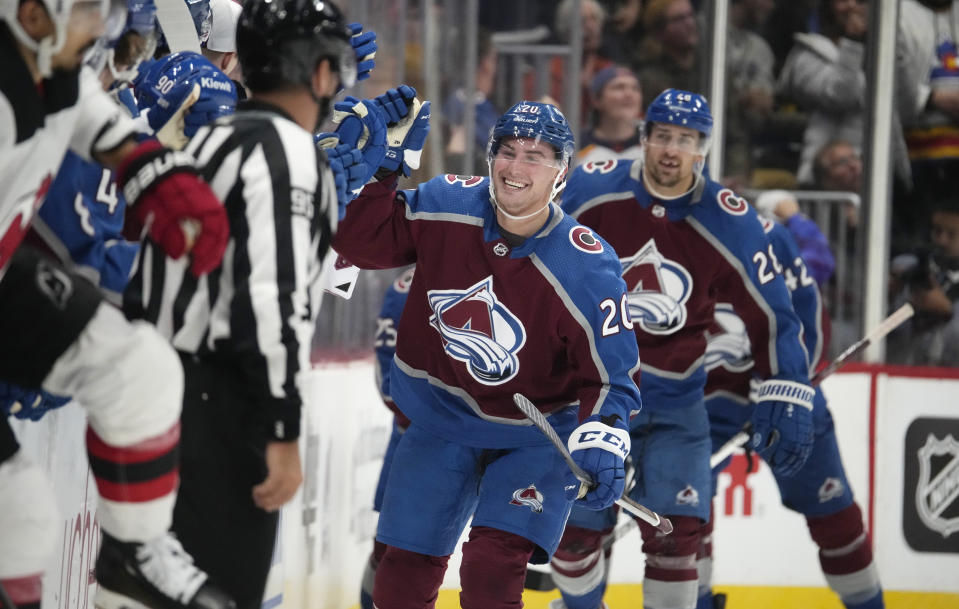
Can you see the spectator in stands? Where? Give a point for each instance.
(670, 54)
(783, 207)
(837, 166)
(929, 279)
(617, 106)
(824, 75)
(623, 30)
(928, 32)
(486, 113)
(750, 83)
(592, 16)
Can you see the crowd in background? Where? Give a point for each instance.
(794, 121)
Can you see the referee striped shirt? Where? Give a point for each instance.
(257, 310)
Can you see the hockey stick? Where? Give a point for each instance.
(897, 318)
(585, 480)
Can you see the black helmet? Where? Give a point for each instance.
(280, 42)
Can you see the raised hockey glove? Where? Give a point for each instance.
(166, 195)
(364, 45)
(362, 131)
(408, 123)
(30, 404)
(349, 173)
(782, 424)
(599, 446)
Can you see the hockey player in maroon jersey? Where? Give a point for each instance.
(684, 242)
(510, 295)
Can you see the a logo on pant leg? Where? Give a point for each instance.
(55, 284)
(528, 496)
(830, 489)
(687, 496)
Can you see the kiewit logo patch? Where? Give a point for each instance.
(658, 290)
(930, 515)
(479, 330)
(528, 496)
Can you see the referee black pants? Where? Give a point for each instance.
(222, 459)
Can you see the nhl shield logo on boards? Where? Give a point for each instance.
(930, 491)
(937, 492)
(530, 497)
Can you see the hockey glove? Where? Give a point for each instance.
(408, 122)
(364, 45)
(782, 424)
(168, 118)
(349, 173)
(165, 194)
(601, 450)
(28, 403)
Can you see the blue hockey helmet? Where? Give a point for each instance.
(134, 44)
(682, 108)
(164, 86)
(538, 121)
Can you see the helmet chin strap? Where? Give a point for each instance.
(558, 184)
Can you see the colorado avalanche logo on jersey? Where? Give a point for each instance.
(727, 343)
(731, 202)
(658, 290)
(600, 166)
(464, 181)
(478, 329)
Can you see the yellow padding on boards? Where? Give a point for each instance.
(626, 596)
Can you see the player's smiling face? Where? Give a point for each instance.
(523, 174)
(671, 153)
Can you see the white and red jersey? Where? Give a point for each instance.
(38, 123)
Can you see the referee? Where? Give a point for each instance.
(243, 331)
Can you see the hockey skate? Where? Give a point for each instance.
(158, 574)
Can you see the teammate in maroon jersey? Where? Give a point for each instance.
(510, 295)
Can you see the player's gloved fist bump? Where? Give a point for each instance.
(783, 424)
(165, 193)
(350, 173)
(361, 127)
(600, 450)
(405, 140)
(395, 103)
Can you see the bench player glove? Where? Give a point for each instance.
(349, 173)
(364, 45)
(357, 147)
(782, 424)
(600, 450)
(165, 193)
(408, 123)
(29, 404)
